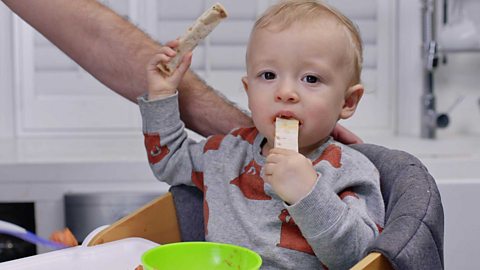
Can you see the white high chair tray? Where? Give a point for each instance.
(122, 254)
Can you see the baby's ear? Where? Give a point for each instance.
(245, 83)
(352, 98)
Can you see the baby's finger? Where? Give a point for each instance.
(169, 51)
(158, 58)
(269, 169)
(281, 151)
(273, 158)
(183, 67)
(173, 43)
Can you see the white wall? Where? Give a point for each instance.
(462, 224)
(6, 74)
(409, 72)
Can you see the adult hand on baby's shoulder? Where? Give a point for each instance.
(161, 84)
(290, 174)
(343, 135)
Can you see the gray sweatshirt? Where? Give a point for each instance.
(327, 229)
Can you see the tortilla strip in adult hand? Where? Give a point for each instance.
(286, 134)
(195, 33)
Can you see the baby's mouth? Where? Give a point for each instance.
(288, 116)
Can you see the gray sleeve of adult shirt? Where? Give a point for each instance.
(339, 230)
(161, 118)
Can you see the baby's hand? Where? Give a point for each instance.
(160, 84)
(290, 174)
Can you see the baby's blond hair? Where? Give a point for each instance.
(287, 12)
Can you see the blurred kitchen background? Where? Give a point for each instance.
(69, 146)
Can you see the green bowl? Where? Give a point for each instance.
(200, 256)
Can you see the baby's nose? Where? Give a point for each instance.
(286, 94)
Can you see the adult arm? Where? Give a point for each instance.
(116, 53)
(345, 136)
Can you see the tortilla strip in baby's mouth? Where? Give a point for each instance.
(286, 133)
(194, 35)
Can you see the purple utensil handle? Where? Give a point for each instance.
(32, 238)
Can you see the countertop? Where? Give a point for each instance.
(118, 159)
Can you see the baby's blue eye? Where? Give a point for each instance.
(269, 75)
(310, 79)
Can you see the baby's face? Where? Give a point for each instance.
(301, 72)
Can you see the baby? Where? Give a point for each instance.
(317, 208)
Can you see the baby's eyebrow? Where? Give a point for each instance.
(323, 70)
(260, 66)
(263, 61)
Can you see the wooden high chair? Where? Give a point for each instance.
(157, 222)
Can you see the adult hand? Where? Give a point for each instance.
(290, 174)
(343, 135)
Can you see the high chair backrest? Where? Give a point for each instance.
(414, 218)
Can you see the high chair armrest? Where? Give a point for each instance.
(373, 261)
(155, 221)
